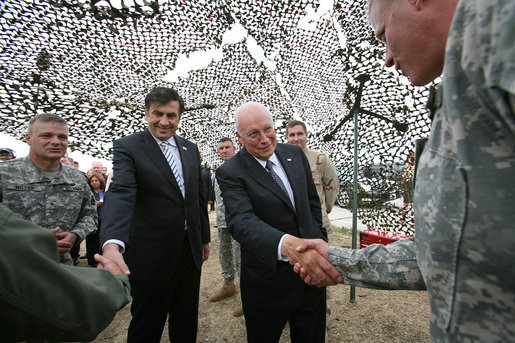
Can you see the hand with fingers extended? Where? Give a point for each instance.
(311, 262)
(112, 260)
(107, 264)
(315, 252)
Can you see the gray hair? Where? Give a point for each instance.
(46, 117)
(252, 103)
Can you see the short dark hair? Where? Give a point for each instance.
(100, 178)
(225, 139)
(46, 117)
(163, 95)
(293, 123)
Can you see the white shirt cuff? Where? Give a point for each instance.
(116, 241)
(279, 255)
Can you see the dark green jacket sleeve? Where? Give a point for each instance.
(41, 298)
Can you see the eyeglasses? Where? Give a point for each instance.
(254, 134)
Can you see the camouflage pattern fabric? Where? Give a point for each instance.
(326, 183)
(392, 266)
(230, 251)
(465, 189)
(65, 201)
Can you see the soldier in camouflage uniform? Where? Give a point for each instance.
(322, 169)
(463, 249)
(68, 304)
(42, 190)
(230, 258)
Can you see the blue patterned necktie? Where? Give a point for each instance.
(276, 177)
(167, 151)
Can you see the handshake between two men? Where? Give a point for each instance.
(308, 258)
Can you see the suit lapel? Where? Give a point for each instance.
(155, 154)
(291, 168)
(185, 160)
(258, 173)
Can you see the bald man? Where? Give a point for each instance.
(270, 200)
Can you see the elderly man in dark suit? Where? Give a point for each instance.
(270, 200)
(155, 212)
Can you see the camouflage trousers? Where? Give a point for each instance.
(230, 259)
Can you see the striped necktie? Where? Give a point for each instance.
(167, 151)
(276, 177)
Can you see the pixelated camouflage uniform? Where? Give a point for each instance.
(230, 259)
(326, 183)
(464, 192)
(65, 201)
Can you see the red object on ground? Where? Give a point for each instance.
(371, 236)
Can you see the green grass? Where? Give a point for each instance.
(342, 236)
(342, 230)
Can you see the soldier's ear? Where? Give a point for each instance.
(27, 138)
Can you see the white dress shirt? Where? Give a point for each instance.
(278, 169)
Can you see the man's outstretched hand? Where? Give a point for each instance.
(112, 260)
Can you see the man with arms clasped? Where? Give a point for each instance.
(155, 212)
(462, 250)
(270, 198)
(40, 189)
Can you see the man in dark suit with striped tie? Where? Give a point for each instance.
(270, 200)
(155, 219)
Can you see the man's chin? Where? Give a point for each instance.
(163, 136)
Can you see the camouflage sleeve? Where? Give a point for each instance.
(87, 221)
(392, 266)
(94, 296)
(220, 208)
(218, 193)
(330, 183)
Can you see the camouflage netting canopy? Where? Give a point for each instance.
(92, 62)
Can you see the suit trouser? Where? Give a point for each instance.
(178, 298)
(307, 320)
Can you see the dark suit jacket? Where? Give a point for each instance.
(145, 209)
(259, 213)
(210, 191)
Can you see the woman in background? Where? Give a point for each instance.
(97, 184)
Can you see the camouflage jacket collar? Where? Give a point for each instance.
(34, 175)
